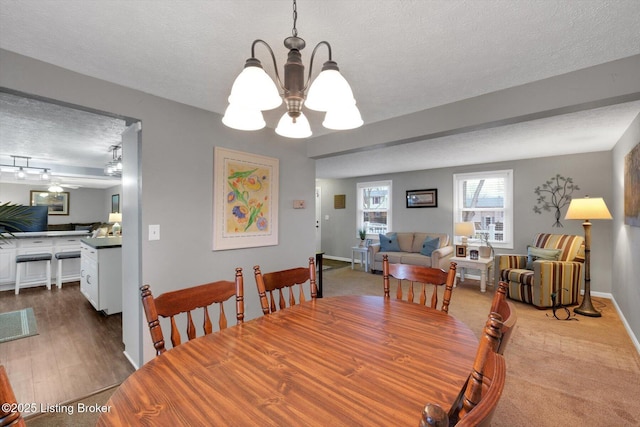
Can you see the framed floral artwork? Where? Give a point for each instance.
(245, 200)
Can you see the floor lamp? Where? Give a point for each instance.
(586, 209)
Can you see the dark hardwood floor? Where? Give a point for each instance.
(77, 350)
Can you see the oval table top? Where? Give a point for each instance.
(339, 361)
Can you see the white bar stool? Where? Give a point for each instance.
(23, 259)
(60, 256)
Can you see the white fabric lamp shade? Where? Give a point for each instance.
(115, 217)
(466, 228)
(243, 118)
(587, 209)
(329, 90)
(289, 129)
(343, 118)
(254, 88)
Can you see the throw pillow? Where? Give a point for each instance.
(389, 243)
(429, 245)
(534, 253)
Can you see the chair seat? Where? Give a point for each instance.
(517, 275)
(68, 255)
(33, 257)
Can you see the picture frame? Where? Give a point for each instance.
(422, 198)
(115, 203)
(57, 203)
(473, 254)
(461, 251)
(245, 200)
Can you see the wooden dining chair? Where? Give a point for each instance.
(277, 281)
(9, 414)
(479, 397)
(507, 311)
(170, 304)
(422, 275)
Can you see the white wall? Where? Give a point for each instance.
(626, 249)
(339, 232)
(85, 204)
(177, 180)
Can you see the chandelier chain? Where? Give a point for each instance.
(294, 31)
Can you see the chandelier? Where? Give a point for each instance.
(254, 91)
(114, 167)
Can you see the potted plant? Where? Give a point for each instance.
(362, 232)
(485, 250)
(12, 216)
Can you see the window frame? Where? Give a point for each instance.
(360, 212)
(508, 225)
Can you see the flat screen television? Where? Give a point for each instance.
(39, 221)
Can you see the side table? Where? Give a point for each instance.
(482, 264)
(364, 256)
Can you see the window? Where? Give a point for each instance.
(374, 207)
(486, 199)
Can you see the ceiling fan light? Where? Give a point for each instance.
(253, 88)
(243, 118)
(343, 118)
(330, 89)
(289, 129)
(55, 188)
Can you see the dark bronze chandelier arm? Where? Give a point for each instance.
(273, 58)
(313, 54)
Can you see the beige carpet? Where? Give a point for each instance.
(559, 373)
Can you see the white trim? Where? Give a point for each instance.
(634, 339)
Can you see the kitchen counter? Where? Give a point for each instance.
(103, 242)
(29, 234)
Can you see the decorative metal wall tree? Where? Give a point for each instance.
(558, 189)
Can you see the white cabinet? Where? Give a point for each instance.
(7, 261)
(39, 242)
(101, 277)
(70, 266)
(34, 271)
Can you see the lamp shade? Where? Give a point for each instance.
(243, 118)
(466, 228)
(342, 118)
(329, 90)
(587, 209)
(115, 217)
(254, 88)
(299, 129)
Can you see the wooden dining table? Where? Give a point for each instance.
(339, 361)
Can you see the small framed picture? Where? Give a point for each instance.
(473, 254)
(368, 242)
(461, 251)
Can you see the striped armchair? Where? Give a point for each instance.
(532, 278)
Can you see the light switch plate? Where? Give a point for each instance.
(154, 232)
(298, 204)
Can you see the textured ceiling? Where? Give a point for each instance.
(399, 56)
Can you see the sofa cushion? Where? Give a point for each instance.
(394, 257)
(419, 238)
(517, 275)
(534, 253)
(429, 245)
(405, 240)
(412, 258)
(389, 242)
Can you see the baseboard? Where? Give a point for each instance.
(606, 295)
(338, 258)
(135, 365)
(634, 339)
